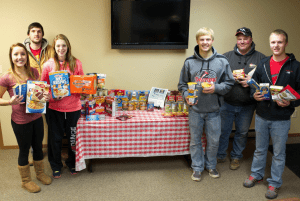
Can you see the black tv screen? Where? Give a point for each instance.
(150, 24)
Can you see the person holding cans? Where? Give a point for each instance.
(206, 65)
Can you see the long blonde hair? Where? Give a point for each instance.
(28, 71)
(70, 59)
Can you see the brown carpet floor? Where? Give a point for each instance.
(143, 179)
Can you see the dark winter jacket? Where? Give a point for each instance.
(238, 95)
(289, 74)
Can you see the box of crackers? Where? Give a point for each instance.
(60, 84)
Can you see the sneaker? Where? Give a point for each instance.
(250, 182)
(213, 173)
(56, 174)
(234, 164)
(196, 176)
(272, 192)
(221, 160)
(72, 171)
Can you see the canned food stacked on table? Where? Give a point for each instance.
(174, 105)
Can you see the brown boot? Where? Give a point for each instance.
(40, 175)
(29, 185)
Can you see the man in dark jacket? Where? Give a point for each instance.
(238, 106)
(273, 116)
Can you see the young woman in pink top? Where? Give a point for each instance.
(63, 113)
(28, 128)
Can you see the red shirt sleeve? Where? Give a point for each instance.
(45, 73)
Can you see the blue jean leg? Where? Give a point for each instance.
(242, 123)
(227, 117)
(213, 132)
(196, 123)
(262, 143)
(279, 134)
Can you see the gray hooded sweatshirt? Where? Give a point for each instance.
(214, 69)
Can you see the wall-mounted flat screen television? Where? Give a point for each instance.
(150, 24)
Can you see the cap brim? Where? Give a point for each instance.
(240, 32)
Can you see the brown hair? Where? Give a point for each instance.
(27, 64)
(70, 59)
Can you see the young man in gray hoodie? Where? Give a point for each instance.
(206, 65)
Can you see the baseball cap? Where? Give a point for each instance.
(245, 31)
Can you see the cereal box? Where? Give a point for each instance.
(38, 92)
(33, 106)
(288, 93)
(239, 73)
(96, 117)
(119, 92)
(111, 106)
(275, 91)
(100, 105)
(265, 90)
(20, 89)
(60, 84)
(83, 84)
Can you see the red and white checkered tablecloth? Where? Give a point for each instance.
(145, 134)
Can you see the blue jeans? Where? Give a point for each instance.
(242, 116)
(278, 130)
(212, 123)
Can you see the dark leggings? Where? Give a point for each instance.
(29, 135)
(60, 123)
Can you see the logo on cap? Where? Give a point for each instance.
(245, 31)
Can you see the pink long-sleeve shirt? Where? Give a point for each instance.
(67, 104)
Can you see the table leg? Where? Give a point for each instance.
(90, 165)
(188, 159)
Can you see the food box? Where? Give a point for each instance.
(83, 84)
(265, 90)
(288, 93)
(20, 89)
(239, 73)
(33, 106)
(252, 83)
(38, 92)
(111, 106)
(96, 117)
(101, 81)
(275, 91)
(60, 84)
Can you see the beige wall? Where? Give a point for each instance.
(87, 25)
